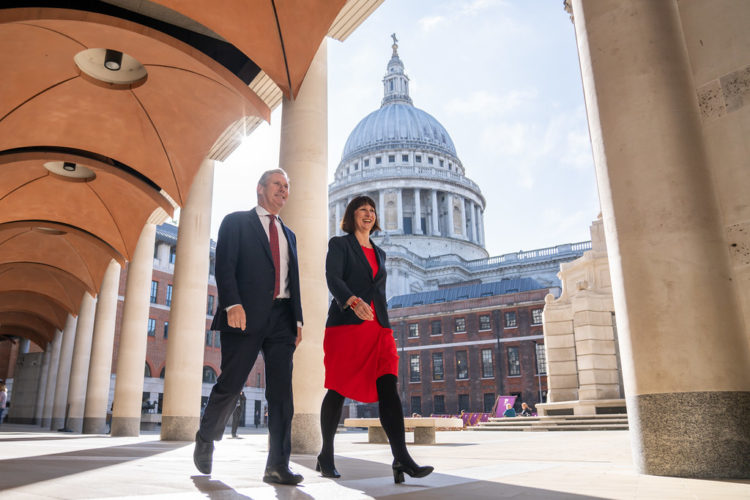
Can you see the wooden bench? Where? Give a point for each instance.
(423, 427)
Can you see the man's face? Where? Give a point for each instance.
(273, 195)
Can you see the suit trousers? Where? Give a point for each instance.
(238, 355)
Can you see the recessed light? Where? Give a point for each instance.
(69, 166)
(112, 59)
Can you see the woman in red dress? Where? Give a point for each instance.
(360, 354)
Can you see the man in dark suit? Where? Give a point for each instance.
(257, 277)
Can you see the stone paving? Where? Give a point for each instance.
(468, 465)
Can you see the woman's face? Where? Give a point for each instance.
(364, 218)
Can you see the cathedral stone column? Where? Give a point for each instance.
(80, 367)
(435, 214)
(462, 208)
(183, 376)
(381, 208)
(131, 357)
(475, 222)
(417, 212)
(480, 223)
(63, 373)
(451, 220)
(51, 382)
(400, 210)
(100, 366)
(684, 353)
(303, 154)
(40, 395)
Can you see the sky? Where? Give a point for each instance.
(502, 76)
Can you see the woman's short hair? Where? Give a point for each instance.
(347, 223)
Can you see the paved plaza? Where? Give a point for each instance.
(468, 465)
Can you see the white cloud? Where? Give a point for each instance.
(430, 22)
(484, 102)
(477, 6)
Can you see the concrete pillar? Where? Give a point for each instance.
(42, 390)
(303, 154)
(417, 212)
(59, 406)
(435, 214)
(131, 357)
(399, 211)
(80, 367)
(462, 209)
(683, 348)
(51, 381)
(100, 366)
(187, 318)
(162, 253)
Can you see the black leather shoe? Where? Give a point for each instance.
(412, 469)
(203, 455)
(281, 474)
(326, 467)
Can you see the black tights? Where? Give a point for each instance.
(391, 418)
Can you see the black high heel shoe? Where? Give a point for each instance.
(325, 469)
(413, 470)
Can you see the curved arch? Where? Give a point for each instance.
(26, 333)
(28, 321)
(44, 280)
(33, 303)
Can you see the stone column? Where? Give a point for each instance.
(475, 223)
(100, 367)
(462, 207)
(560, 351)
(381, 209)
(480, 223)
(59, 405)
(80, 367)
(435, 214)
(40, 395)
(417, 212)
(337, 225)
(683, 348)
(131, 357)
(303, 154)
(450, 222)
(51, 382)
(400, 211)
(183, 376)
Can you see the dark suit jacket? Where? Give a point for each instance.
(348, 273)
(245, 273)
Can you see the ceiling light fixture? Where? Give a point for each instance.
(69, 166)
(112, 59)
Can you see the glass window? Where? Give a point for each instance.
(172, 254)
(462, 365)
(430, 160)
(151, 327)
(209, 375)
(488, 401)
(541, 360)
(404, 158)
(536, 316)
(166, 329)
(463, 402)
(436, 328)
(147, 370)
(168, 301)
(439, 404)
(154, 291)
(460, 325)
(367, 162)
(418, 158)
(210, 305)
(208, 338)
(441, 163)
(484, 322)
(414, 368)
(514, 362)
(416, 405)
(378, 160)
(488, 370)
(413, 330)
(391, 158)
(510, 319)
(217, 339)
(437, 366)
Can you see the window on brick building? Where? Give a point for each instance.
(484, 322)
(413, 330)
(438, 403)
(208, 338)
(166, 329)
(151, 327)
(488, 370)
(536, 316)
(209, 375)
(514, 362)
(510, 319)
(437, 366)
(210, 305)
(168, 300)
(416, 404)
(460, 325)
(414, 368)
(463, 402)
(462, 365)
(172, 254)
(217, 339)
(488, 401)
(146, 370)
(436, 328)
(154, 291)
(541, 360)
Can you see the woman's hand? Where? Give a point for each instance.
(361, 308)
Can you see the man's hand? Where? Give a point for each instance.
(236, 317)
(299, 336)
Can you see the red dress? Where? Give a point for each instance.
(356, 355)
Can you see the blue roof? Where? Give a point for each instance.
(465, 292)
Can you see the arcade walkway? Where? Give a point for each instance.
(470, 465)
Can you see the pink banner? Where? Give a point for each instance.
(501, 402)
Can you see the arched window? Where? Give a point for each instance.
(209, 375)
(147, 371)
(161, 374)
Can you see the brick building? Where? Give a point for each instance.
(462, 346)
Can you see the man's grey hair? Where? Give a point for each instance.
(268, 173)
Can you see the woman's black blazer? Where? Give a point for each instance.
(348, 273)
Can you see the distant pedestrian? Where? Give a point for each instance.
(526, 410)
(3, 399)
(509, 411)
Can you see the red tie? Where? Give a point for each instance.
(273, 236)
